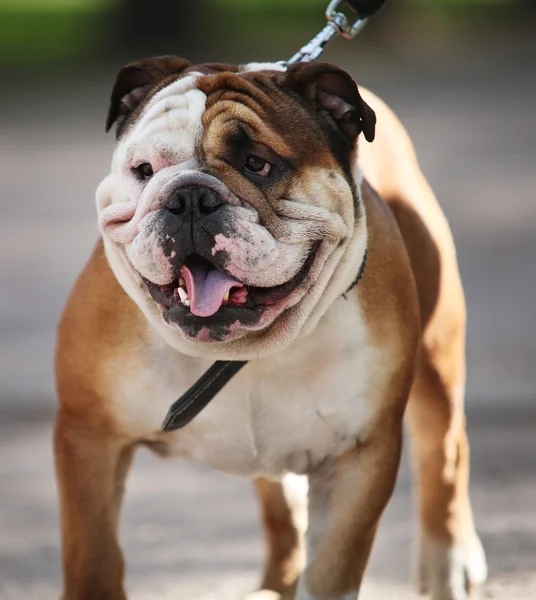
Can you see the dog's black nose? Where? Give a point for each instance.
(195, 198)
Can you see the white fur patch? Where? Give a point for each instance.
(445, 569)
(295, 489)
(165, 136)
(170, 124)
(263, 66)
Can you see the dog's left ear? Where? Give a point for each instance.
(134, 82)
(328, 88)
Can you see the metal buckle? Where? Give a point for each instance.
(337, 25)
(341, 21)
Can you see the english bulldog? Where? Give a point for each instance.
(241, 205)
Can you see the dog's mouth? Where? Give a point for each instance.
(206, 292)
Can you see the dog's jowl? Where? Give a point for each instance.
(241, 204)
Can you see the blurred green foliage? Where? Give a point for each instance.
(50, 5)
(306, 4)
(46, 32)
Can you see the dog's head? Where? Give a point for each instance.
(232, 212)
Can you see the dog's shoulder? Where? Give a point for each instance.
(391, 166)
(99, 321)
(387, 293)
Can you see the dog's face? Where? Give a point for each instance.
(232, 209)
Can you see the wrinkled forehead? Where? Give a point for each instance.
(176, 108)
(170, 124)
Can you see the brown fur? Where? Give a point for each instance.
(277, 122)
(411, 275)
(286, 552)
(435, 412)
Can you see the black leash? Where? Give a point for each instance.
(194, 400)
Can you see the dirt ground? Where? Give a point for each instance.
(190, 533)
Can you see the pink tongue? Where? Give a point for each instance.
(206, 287)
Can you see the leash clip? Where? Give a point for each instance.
(341, 21)
(337, 24)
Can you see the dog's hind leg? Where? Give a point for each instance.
(451, 556)
(451, 561)
(91, 469)
(283, 508)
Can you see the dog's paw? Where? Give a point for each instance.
(451, 572)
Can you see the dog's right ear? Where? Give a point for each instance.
(134, 82)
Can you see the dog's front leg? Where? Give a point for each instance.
(91, 468)
(346, 499)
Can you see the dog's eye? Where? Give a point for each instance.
(143, 172)
(257, 165)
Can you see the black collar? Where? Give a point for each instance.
(194, 400)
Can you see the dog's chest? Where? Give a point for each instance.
(285, 413)
(281, 418)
